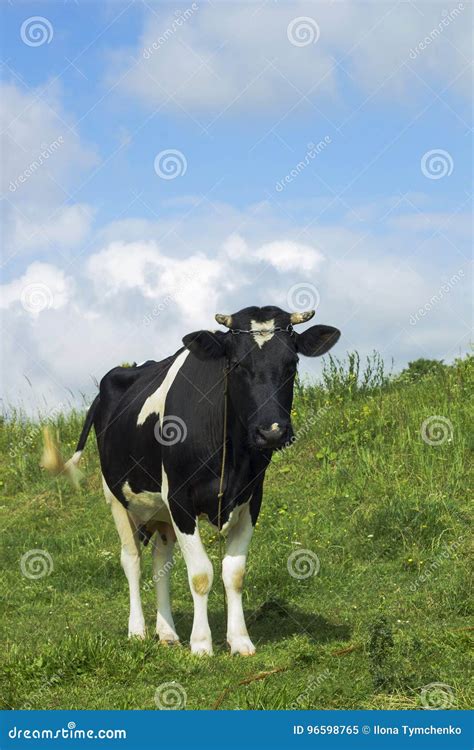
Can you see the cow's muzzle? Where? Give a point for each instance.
(275, 436)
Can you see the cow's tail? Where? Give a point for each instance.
(52, 459)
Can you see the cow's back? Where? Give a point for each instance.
(122, 447)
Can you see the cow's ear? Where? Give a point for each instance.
(206, 344)
(317, 340)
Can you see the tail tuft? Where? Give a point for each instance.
(54, 463)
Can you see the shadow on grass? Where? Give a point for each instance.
(275, 620)
(272, 621)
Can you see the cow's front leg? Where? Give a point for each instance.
(200, 575)
(233, 571)
(163, 544)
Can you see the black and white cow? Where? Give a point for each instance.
(160, 428)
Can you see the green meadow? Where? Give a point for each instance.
(357, 589)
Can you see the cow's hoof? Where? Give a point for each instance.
(241, 645)
(201, 648)
(169, 640)
(136, 629)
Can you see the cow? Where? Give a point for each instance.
(191, 437)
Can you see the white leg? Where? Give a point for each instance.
(200, 575)
(130, 559)
(233, 571)
(162, 549)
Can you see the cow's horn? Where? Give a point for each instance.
(224, 320)
(301, 317)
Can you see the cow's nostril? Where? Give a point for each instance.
(272, 435)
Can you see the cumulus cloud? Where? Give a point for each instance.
(265, 58)
(134, 299)
(42, 287)
(42, 155)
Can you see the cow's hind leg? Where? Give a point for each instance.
(233, 571)
(163, 544)
(130, 559)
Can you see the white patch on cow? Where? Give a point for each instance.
(263, 332)
(234, 517)
(275, 426)
(146, 506)
(130, 559)
(155, 404)
(233, 571)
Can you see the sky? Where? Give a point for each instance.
(162, 162)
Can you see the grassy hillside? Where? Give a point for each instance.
(362, 494)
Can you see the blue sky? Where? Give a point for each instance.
(367, 230)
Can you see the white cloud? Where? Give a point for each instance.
(67, 227)
(134, 299)
(290, 256)
(42, 287)
(42, 156)
(239, 58)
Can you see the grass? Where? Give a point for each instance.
(386, 514)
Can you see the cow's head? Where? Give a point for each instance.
(261, 350)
